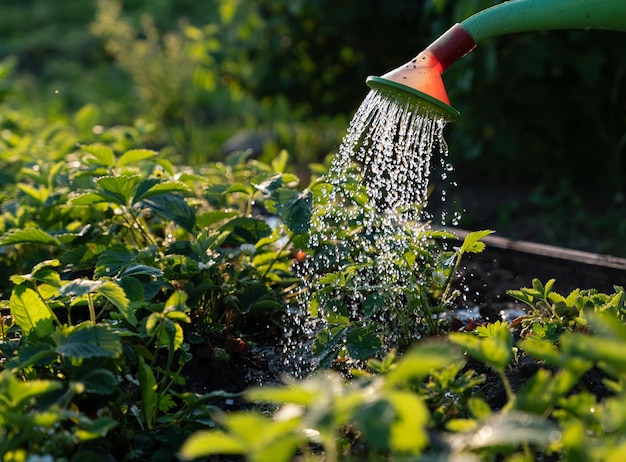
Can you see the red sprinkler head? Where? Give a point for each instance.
(419, 81)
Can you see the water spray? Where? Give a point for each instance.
(419, 81)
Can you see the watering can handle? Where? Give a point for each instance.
(526, 16)
(534, 15)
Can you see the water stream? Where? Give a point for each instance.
(368, 230)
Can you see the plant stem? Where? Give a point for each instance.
(92, 309)
(507, 388)
(284, 246)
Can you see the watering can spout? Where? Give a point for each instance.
(419, 81)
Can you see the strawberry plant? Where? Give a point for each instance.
(122, 269)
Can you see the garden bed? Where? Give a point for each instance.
(509, 264)
(505, 264)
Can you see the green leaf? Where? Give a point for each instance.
(148, 390)
(100, 382)
(107, 288)
(408, 432)
(30, 312)
(112, 259)
(375, 419)
(472, 243)
(88, 341)
(100, 155)
(120, 188)
(420, 360)
(207, 219)
(95, 429)
(270, 185)
(246, 230)
(176, 302)
(134, 156)
(494, 349)
(362, 342)
(173, 207)
(92, 197)
(86, 118)
(136, 269)
(509, 429)
(154, 186)
(18, 393)
(295, 209)
(279, 163)
(210, 442)
(116, 295)
(29, 235)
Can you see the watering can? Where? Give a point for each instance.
(419, 82)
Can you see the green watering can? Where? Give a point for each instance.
(419, 82)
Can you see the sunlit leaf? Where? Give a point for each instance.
(154, 186)
(97, 428)
(208, 442)
(99, 155)
(420, 360)
(134, 156)
(148, 390)
(29, 235)
(18, 393)
(472, 243)
(495, 351)
(509, 429)
(122, 187)
(30, 312)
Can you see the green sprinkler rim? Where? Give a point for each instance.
(405, 94)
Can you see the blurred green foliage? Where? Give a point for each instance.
(543, 109)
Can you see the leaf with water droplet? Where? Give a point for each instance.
(362, 342)
(472, 243)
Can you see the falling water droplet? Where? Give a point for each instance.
(374, 212)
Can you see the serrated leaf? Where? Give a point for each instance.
(97, 428)
(87, 341)
(472, 243)
(30, 312)
(136, 269)
(154, 186)
(18, 393)
(495, 351)
(362, 343)
(207, 219)
(173, 207)
(90, 198)
(122, 187)
(111, 260)
(270, 185)
(107, 288)
(116, 295)
(420, 360)
(29, 235)
(246, 230)
(238, 188)
(100, 382)
(100, 155)
(134, 156)
(295, 209)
